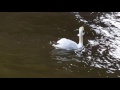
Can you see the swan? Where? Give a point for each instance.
(68, 44)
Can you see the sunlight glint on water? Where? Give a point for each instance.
(109, 41)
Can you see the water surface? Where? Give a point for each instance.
(26, 50)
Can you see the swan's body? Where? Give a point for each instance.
(68, 44)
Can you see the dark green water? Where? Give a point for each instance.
(26, 50)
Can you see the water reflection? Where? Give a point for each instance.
(102, 44)
(108, 44)
(26, 50)
(64, 55)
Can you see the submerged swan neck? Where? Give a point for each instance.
(80, 35)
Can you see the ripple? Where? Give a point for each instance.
(107, 45)
(101, 46)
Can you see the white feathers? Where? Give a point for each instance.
(68, 44)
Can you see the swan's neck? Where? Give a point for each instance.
(80, 37)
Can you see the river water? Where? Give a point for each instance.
(26, 44)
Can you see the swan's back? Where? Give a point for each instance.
(66, 44)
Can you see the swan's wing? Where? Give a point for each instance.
(66, 44)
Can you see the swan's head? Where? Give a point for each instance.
(81, 29)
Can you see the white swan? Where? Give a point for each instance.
(68, 44)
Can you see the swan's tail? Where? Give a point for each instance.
(56, 46)
(53, 45)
